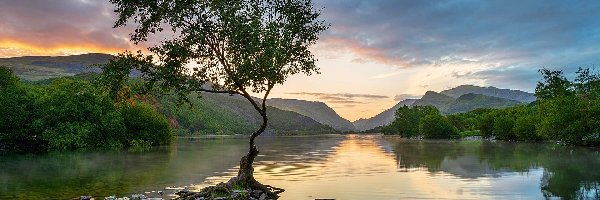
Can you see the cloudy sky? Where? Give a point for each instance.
(375, 52)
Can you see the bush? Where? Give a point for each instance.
(144, 123)
(437, 127)
(525, 128)
(407, 120)
(503, 128)
(486, 124)
(16, 112)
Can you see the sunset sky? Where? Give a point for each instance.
(375, 52)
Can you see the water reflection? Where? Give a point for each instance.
(340, 167)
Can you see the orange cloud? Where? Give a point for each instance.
(12, 48)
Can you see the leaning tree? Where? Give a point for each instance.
(235, 47)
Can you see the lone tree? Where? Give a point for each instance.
(233, 47)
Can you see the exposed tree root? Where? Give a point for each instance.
(234, 190)
(243, 186)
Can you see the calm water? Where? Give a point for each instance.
(340, 167)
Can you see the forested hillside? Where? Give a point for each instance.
(318, 111)
(224, 114)
(515, 95)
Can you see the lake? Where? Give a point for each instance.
(312, 167)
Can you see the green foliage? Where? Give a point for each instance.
(565, 111)
(7, 78)
(206, 115)
(226, 115)
(569, 111)
(554, 84)
(526, 121)
(16, 106)
(407, 120)
(486, 124)
(144, 123)
(525, 128)
(74, 114)
(464, 121)
(238, 46)
(139, 145)
(503, 127)
(436, 126)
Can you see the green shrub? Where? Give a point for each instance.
(503, 128)
(144, 123)
(437, 127)
(525, 128)
(486, 124)
(407, 120)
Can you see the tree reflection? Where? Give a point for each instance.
(569, 172)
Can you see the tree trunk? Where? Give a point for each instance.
(246, 172)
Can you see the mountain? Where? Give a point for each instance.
(515, 95)
(463, 98)
(471, 101)
(225, 114)
(318, 111)
(464, 103)
(381, 119)
(432, 98)
(43, 67)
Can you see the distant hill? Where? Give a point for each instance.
(318, 111)
(463, 98)
(381, 119)
(43, 67)
(515, 95)
(438, 100)
(464, 103)
(471, 101)
(224, 114)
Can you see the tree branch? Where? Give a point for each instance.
(218, 91)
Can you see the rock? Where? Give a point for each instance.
(138, 197)
(256, 193)
(86, 198)
(263, 196)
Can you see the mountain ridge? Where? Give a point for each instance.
(381, 119)
(516, 95)
(34, 68)
(316, 110)
(462, 98)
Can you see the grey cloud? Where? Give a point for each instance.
(492, 34)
